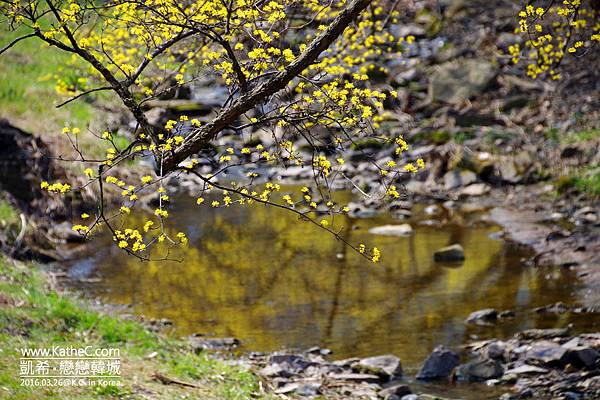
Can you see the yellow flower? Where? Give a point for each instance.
(376, 255)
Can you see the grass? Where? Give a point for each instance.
(27, 92)
(586, 181)
(33, 315)
(8, 214)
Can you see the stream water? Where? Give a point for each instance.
(263, 276)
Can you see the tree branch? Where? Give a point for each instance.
(247, 101)
(98, 89)
(17, 40)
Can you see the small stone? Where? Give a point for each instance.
(392, 230)
(355, 377)
(450, 253)
(200, 344)
(476, 189)
(398, 389)
(386, 366)
(439, 364)
(525, 369)
(485, 316)
(433, 209)
(480, 370)
(308, 389)
(534, 334)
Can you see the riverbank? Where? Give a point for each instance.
(34, 314)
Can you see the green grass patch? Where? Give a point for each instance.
(8, 214)
(586, 181)
(33, 315)
(27, 93)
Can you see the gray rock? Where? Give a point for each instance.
(581, 357)
(397, 389)
(547, 353)
(525, 369)
(410, 397)
(454, 252)
(386, 366)
(455, 82)
(457, 178)
(350, 377)
(495, 350)
(433, 209)
(475, 189)
(439, 364)
(64, 232)
(392, 230)
(484, 316)
(480, 370)
(542, 333)
(199, 343)
(286, 365)
(308, 389)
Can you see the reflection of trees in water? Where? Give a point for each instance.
(265, 275)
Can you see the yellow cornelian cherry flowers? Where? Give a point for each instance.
(145, 50)
(552, 30)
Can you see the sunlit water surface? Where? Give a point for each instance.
(261, 275)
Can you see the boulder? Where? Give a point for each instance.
(392, 230)
(439, 364)
(455, 82)
(385, 366)
(454, 252)
(480, 370)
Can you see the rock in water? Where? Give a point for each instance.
(480, 370)
(484, 316)
(439, 364)
(392, 230)
(397, 389)
(450, 253)
(386, 366)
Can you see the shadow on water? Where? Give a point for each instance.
(261, 275)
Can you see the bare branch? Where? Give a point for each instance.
(98, 89)
(17, 40)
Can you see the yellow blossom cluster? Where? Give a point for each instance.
(551, 31)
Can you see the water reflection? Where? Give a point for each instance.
(261, 275)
